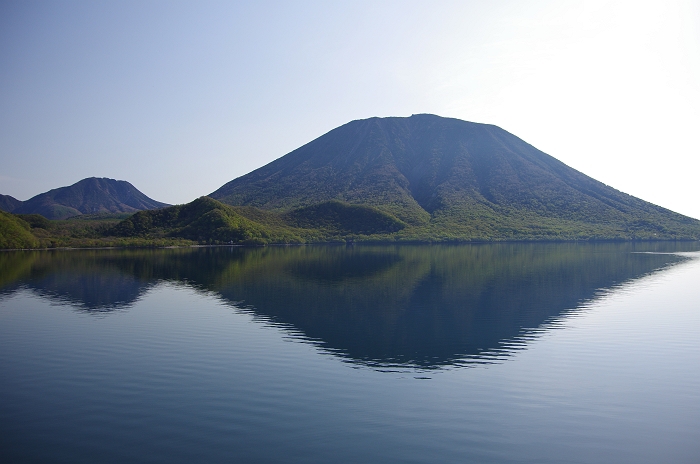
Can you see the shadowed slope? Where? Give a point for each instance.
(9, 204)
(344, 218)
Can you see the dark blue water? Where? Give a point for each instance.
(542, 353)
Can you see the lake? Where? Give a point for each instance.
(489, 353)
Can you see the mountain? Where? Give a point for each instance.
(451, 179)
(89, 196)
(8, 203)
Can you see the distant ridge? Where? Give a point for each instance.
(449, 178)
(93, 195)
(8, 203)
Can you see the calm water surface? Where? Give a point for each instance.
(522, 353)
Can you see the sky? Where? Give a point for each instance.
(179, 98)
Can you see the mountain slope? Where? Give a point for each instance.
(89, 196)
(344, 219)
(204, 220)
(452, 178)
(8, 203)
(15, 233)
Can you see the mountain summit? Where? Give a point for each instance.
(454, 178)
(93, 195)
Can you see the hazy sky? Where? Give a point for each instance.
(179, 98)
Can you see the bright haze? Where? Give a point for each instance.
(179, 98)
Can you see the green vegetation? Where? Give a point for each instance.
(15, 232)
(79, 232)
(206, 221)
(202, 221)
(337, 218)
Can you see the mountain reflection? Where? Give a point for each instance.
(384, 306)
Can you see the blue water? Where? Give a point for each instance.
(485, 353)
